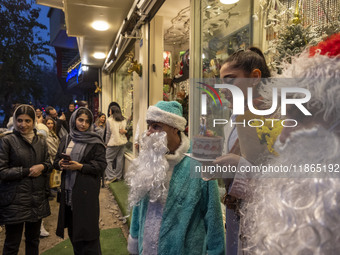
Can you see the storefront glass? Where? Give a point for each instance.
(224, 29)
(124, 92)
(176, 53)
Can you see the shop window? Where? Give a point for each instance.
(224, 29)
(176, 52)
(124, 95)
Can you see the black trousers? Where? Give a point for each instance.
(14, 234)
(81, 247)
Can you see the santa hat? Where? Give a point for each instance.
(167, 112)
(330, 47)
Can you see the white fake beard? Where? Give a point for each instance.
(296, 215)
(147, 174)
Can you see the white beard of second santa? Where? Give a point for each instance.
(297, 214)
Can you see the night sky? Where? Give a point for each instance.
(43, 19)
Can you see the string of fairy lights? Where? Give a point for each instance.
(315, 12)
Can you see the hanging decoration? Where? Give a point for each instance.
(296, 19)
(134, 65)
(274, 13)
(178, 32)
(98, 89)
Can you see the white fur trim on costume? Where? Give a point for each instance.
(156, 114)
(132, 245)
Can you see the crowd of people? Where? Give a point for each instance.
(173, 212)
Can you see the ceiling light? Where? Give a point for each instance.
(100, 25)
(99, 55)
(228, 1)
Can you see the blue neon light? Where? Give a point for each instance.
(77, 71)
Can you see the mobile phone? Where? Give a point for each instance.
(66, 157)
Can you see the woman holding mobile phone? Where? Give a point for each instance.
(81, 157)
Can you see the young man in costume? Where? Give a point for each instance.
(173, 213)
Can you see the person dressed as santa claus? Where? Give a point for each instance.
(173, 213)
(299, 212)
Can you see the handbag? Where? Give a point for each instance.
(7, 193)
(55, 178)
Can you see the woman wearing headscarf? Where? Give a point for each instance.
(24, 167)
(81, 157)
(100, 125)
(52, 138)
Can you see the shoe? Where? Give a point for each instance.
(43, 231)
(111, 181)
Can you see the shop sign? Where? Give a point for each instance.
(75, 72)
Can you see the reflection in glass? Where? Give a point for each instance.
(124, 82)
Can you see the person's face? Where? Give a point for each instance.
(154, 127)
(83, 122)
(102, 118)
(25, 124)
(38, 112)
(238, 78)
(53, 113)
(71, 107)
(50, 124)
(159, 127)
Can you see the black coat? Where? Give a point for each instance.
(30, 194)
(85, 193)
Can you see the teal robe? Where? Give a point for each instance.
(192, 219)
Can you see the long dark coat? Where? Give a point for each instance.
(85, 193)
(27, 196)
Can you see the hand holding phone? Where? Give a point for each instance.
(66, 158)
(67, 164)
